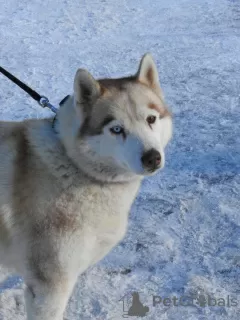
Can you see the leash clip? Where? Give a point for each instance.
(44, 103)
(42, 100)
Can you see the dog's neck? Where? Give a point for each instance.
(66, 126)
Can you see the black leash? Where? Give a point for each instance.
(42, 100)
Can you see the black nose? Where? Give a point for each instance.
(151, 159)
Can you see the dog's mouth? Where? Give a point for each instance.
(151, 172)
(155, 169)
(142, 170)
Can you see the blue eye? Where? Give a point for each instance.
(117, 130)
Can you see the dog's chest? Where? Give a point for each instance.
(101, 218)
(104, 209)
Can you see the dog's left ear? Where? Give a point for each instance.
(148, 74)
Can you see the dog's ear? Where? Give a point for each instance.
(148, 74)
(86, 88)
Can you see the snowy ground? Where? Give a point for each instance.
(183, 236)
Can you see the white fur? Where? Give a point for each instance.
(65, 196)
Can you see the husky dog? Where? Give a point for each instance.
(66, 192)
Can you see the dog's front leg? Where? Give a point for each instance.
(47, 301)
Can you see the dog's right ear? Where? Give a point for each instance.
(86, 88)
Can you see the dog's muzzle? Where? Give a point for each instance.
(151, 160)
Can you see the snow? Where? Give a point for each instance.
(183, 235)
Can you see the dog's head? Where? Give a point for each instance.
(120, 126)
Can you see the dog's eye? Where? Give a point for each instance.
(151, 119)
(117, 130)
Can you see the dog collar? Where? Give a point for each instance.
(63, 100)
(61, 103)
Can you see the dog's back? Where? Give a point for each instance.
(25, 186)
(10, 137)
